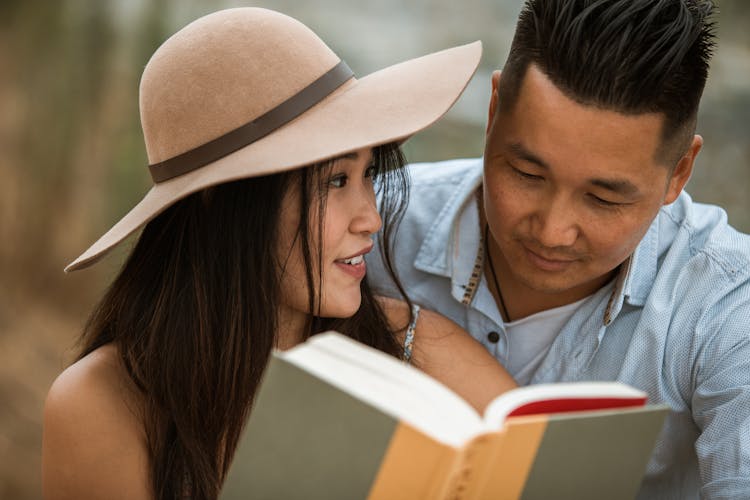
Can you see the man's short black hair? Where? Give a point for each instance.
(629, 56)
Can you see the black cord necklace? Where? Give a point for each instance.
(503, 309)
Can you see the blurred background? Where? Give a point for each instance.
(72, 160)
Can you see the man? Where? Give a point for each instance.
(570, 251)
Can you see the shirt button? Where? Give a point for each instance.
(493, 337)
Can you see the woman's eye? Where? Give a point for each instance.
(338, 181)
(372, 171)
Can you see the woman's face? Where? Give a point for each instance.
(350, 218)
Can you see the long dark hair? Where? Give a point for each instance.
(193, 313)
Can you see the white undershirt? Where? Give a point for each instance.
(530, 338)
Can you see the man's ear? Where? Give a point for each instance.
(682, 170)
(493, 99)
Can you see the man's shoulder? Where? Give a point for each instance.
(704, 233)
(437, 195)
(440, 188)
(444, 173)
(701, 266)
(438, 191)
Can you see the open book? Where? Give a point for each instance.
(336, 419)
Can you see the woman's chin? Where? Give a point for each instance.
(341, 308)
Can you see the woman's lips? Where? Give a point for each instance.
(354, 265)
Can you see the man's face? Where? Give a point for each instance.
(569, 189)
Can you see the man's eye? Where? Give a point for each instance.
(526, 175)
(338, 181)
(604, 203)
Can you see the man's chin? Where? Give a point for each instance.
(549, 283)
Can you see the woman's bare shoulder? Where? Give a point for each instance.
(96, 385)
(92, 379)
(93, 440)
(430, 325)
(448, 353)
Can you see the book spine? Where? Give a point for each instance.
(414, 466)
(507, 468)
(471, 468)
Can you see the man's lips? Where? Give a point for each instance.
(548, 262)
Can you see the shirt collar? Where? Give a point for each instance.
(640, 278)
(636, 275)
(440, 247)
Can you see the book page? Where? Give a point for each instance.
(561, 398)
(389, 385)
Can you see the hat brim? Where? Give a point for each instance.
(386, 106)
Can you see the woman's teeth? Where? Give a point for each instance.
(354, 260)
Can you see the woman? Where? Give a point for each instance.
(264, 152)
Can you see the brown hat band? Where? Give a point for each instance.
(254, 130)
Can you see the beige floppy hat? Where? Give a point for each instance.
(248, 91)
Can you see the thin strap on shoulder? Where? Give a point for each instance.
(409, 338)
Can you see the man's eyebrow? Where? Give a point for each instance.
(618, 186)
(622, 187)
(524, 154)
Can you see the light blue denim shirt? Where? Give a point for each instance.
(676, 323)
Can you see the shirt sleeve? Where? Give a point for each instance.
(721, 399)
